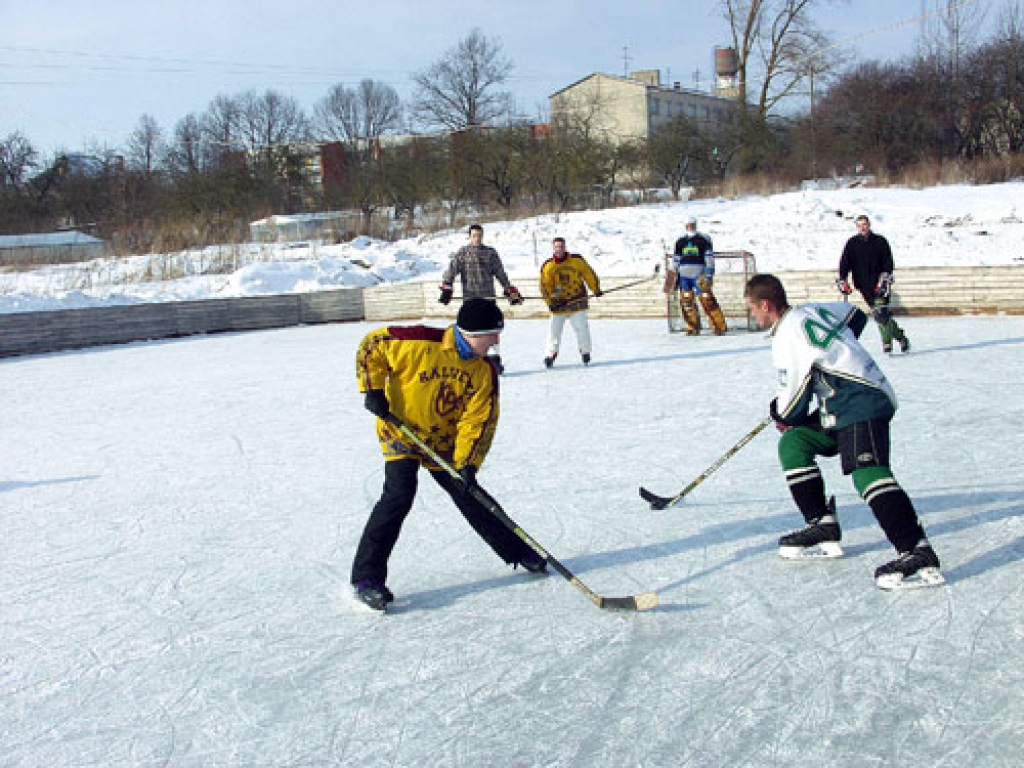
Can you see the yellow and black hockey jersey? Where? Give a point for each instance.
(449, 402)
(563, 284)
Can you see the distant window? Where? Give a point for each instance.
(707, 113)
(655, 106)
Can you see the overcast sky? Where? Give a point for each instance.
(75, 74)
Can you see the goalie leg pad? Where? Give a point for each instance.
(714, 312)
(686, 300)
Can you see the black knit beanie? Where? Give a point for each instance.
(479, 317)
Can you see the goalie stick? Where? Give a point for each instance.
(641, 602)
(660, 502)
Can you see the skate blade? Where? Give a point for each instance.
(926, 577)
(827, 550)
(352, 598)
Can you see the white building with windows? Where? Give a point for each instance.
(629, 108)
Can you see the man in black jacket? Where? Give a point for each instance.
(868, 256)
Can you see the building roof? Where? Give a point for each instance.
(49, 240)
(638, 83)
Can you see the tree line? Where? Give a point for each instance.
(956, 101)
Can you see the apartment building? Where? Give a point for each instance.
(628, 108)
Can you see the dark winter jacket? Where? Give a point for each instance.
(693, 249)
(867, 258)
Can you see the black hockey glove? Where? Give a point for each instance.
(514, 296)
(376, 402)
(468, 475)
(446, 294)
(773, 411)
(843, 287)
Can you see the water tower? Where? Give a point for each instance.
(726, 67)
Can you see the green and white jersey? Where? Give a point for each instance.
(818, 356)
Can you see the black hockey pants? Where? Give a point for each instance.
(385, 523)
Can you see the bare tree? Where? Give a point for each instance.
(17, 156)
(951, 32)
(1011, 20)
(773, 40)
(185, 151)
(776, 43)
(358, 117)
(269, 120)
(220, 128)
(145, 145)
(459, 91)
(678, 152)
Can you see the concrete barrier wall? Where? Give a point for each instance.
(919, 291)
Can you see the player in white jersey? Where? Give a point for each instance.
(821, 363)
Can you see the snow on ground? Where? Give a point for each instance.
(179, 519)
(940, 226)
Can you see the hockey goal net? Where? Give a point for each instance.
(732, 270)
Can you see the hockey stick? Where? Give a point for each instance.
(657, 269)
(641, 602)
(660, 502)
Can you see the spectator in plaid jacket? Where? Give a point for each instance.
(479, 266)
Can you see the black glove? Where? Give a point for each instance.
(843, 287)
(446, 294)
(598, 293)
(376, 402)
(773, 411)
(514, 296)
(468, 475)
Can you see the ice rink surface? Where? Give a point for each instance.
(179, 518)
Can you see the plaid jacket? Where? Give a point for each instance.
(479, 266)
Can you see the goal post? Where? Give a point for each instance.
(732, 271)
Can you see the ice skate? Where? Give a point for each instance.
(373, 595)
(911, 570)
(534, 563)
(819, 539)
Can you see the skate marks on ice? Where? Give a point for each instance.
(174, 615)
(15, 485)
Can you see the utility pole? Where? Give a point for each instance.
(625, 61)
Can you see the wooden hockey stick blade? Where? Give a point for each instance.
(642, 602)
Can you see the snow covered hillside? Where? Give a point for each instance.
(942, 226)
